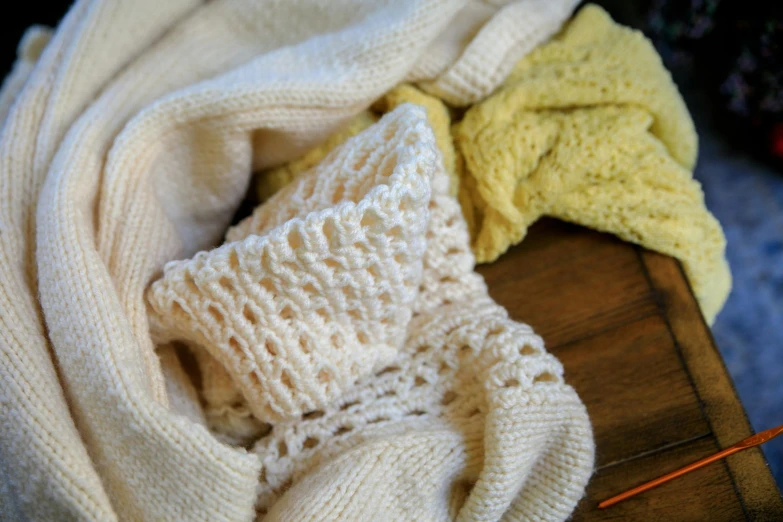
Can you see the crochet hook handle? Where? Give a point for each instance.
(754, 440)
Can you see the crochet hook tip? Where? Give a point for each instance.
(753, 440)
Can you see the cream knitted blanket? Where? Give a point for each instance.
(340, 333)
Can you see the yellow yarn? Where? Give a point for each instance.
(590, 128)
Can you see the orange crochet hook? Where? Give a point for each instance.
(754, 440)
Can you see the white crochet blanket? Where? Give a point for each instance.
(352, 366)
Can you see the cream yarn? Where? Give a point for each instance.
(130, 144)
(360, 271)
(317, 288)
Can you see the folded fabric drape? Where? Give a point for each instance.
(129, 144)
(588, 128)
(347, 313)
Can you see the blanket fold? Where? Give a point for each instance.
(590, 128)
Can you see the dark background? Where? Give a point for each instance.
(24, 14)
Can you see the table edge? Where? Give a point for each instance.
(753, 481)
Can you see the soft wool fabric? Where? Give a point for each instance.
(590, 129)
(361, 272)
(130, 144)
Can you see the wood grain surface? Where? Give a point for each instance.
(629, 333)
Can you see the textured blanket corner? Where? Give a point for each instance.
(333, 356)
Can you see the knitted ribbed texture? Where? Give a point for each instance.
(480, 67)
(347, 311)
(130, 144)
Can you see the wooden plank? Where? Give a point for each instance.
(631, 338)
(724, 411)
(568, 282)
(635, 388)
(705, 494)
(587, 295)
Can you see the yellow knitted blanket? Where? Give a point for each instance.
(588, 128)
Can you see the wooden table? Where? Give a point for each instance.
(630, 335)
